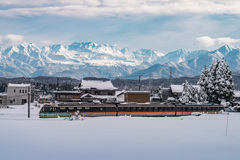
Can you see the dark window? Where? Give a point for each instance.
(139, 109)
(52, 109)
(110, 109)
(80, 109)
(63, 109)
(14, 90)
(71, 109)
(96, 109)
(88, 109)
(20, 90)
(133, 109)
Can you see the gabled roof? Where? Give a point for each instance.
(97, 84)
(87, 95)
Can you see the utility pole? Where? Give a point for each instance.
(139, 83)
(170, 76)
(28, 105)
(57, 83)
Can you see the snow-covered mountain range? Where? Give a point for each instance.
(88, 59)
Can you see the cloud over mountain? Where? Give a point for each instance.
(94, 8)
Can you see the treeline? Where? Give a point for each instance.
(64, 83)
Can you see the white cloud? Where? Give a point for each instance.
(10, 39)
(210, 43)
(89, 8)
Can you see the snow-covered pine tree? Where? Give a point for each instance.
(212, 87)
(224, 82)
(219, 85)
(203, 83)
(189, 93)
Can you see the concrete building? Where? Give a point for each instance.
(17, 94)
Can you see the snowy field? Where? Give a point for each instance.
(166, 138)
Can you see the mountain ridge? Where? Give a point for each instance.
(88, 59)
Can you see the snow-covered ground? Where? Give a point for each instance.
(181, 138)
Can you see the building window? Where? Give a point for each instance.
(25, 91)
(62, 96)
(20, 90)
(13, 100)
(14, 90)
(69, 96)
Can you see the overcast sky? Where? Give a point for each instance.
(161, 25)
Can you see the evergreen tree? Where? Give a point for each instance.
(189, 93)
(224, 82)
(203, 83)
(212, 87)
(219, 85)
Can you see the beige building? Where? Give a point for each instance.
(17, 94)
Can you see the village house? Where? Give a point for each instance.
(101, 90)
(17, 94)
(67, 96)
(36, 94)
(97, 87)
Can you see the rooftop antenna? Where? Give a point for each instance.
(139, 83)
(170, 76)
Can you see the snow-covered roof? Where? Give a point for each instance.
(137, 92)
(45, 96)
(3, 94)
(87, 95)
(176, 88)
(97, 84)
(171, 99)
(18, 85)
(97, 96)
(179, 88)
(71, 92)
(236, 93)
(118, 93)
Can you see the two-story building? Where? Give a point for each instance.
(17, 94)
